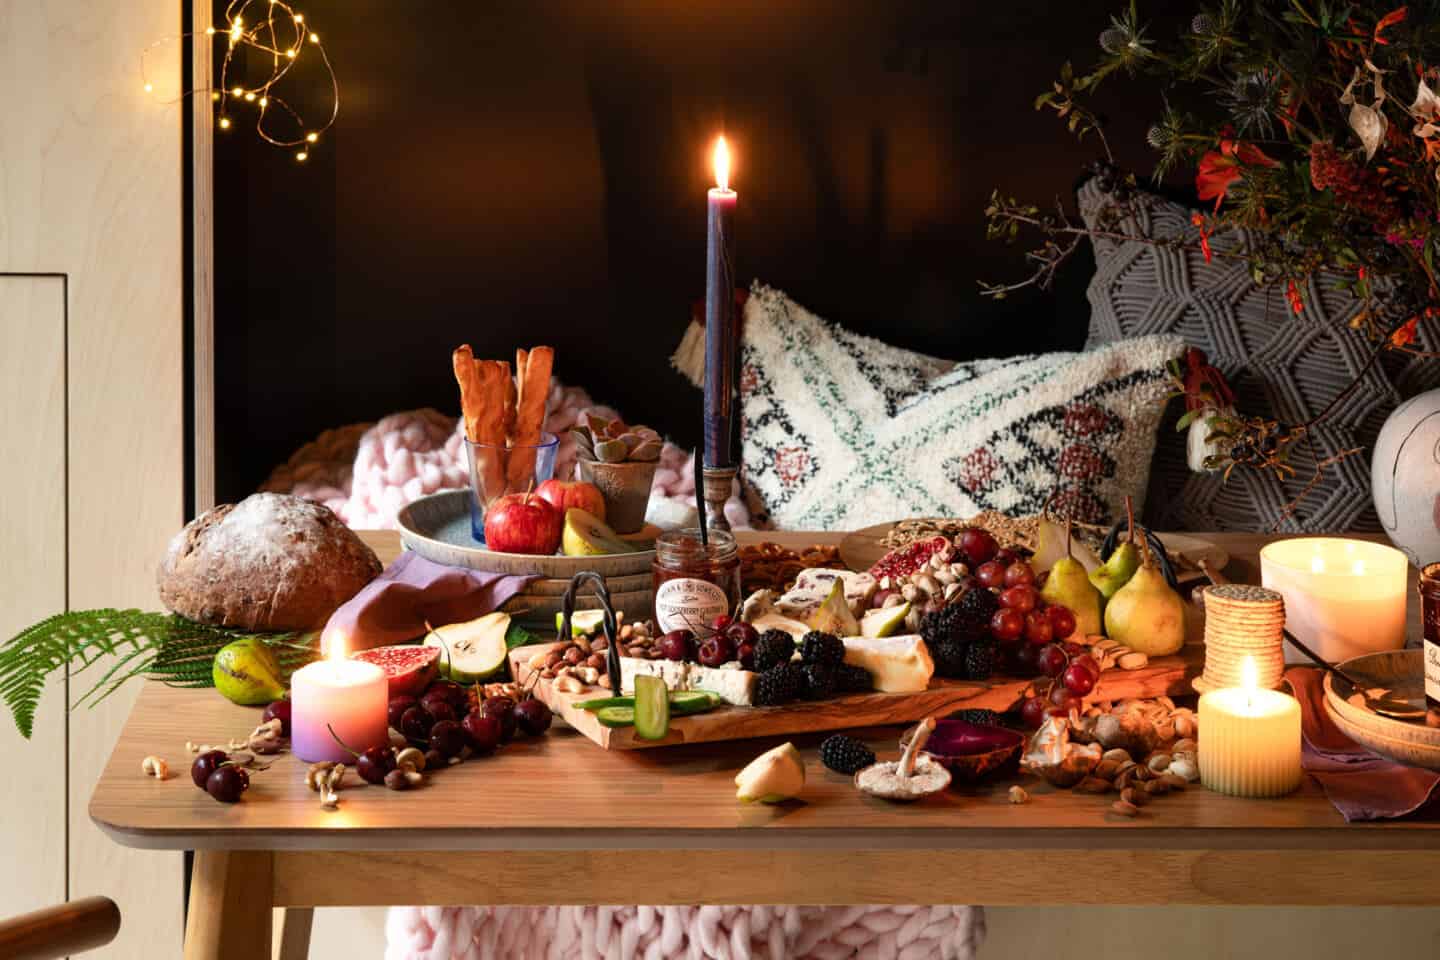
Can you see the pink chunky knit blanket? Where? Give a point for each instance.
(691, 933)
(366, 472)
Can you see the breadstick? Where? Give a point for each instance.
(463, 360)
(534, 391)
(510, 400)
(490, 427)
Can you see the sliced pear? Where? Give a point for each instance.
(774, 621)
(582, 622)
(474, 650)
(774, 776)
(587, 536)
(834, 616)
(883, 621)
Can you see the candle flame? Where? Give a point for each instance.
(335, 646)
(722, 164)
(1249, 680)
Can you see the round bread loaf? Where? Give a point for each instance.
(269, 563)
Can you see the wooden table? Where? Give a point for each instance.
(558, 820)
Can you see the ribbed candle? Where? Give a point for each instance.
(1249, 742)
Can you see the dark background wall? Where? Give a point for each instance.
(514, 172)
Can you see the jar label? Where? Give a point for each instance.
(686, 603)
(1432, 670)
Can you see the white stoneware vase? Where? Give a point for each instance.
(1405, 477)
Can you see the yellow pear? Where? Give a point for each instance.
(1069, 586)
(1145, 614)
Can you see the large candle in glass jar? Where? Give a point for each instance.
(1249, 739)
(1343, 598)
(347, 696)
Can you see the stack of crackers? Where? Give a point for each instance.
(1242, 620)
(504, 413)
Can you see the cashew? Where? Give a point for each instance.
(412, 757)
(568, 684)
(317, 773)
(156, 767)
(589, 675)
(1018, 794)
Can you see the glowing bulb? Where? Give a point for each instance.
(149, 87)
(238, 91)
(224, 123)
(722, 164)
(314, 38)
(301, 156)
(250, 97)
(209, 31)
(264, 101)
(214, 94)
(299, 18)
(290, 53)
(312, 137)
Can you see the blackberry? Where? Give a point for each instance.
(845, 754)
(979, 661)
(949, 657)
(979, 717)
(772, 649)
(850, 678)
(939, 626)
(820, 680)
(975, 608)
(779, 684)
(817, 647)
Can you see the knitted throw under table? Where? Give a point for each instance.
(693, 933)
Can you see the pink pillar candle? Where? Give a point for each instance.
(349, 696)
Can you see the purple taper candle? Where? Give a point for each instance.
(720, 338)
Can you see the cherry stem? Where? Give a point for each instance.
(349, 749)
(431, 632)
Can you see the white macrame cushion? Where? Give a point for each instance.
(841, 431)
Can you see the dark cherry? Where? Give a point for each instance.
(374, 763)
(532, 716)
(206, 764)
(434, 759)
(440, 710)
(396, 709)
(678, 645)
(447, 737)
(279, 710)
(502, 709)
(415, 723)
(451, 691)
(745, 653)
(483, 732)
(741, 633)
(720, 623)
(227, 783)
(718, 650)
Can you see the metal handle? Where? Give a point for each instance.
(607, 622)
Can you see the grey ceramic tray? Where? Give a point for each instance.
(438, 528)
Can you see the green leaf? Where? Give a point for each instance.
(1184, 422)
(518, 636)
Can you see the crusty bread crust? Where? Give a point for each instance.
(272, 562)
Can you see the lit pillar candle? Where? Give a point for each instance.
(720, 333)
(1342, 597)
(1249, 739)
(348, 696)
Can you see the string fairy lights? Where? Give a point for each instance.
(280, 37)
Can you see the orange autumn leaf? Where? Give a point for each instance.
(1405, 334)
(1219, 169)
(1390, 19)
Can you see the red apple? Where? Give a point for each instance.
(564, 494)
(523, 523)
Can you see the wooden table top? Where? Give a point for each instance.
(562, 792)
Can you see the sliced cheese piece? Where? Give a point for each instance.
(774, 621)
(812, 586)
(731, 684)
(896, 664)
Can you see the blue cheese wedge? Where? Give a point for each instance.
(896, 664)
(813, 585)
(730, 683)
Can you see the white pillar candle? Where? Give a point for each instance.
(1249, 739)
(1343, 598)
(348, 696)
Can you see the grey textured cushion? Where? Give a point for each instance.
(1280, 365)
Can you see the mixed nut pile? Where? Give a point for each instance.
(582, 663)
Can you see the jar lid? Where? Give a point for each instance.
(682, 547)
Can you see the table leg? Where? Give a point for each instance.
(231, 895)
(295, 933)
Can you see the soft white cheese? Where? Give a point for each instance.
(730, 684)
(813, 585)
(896, 664)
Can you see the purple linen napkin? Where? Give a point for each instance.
(394, 606)
(1361, 785)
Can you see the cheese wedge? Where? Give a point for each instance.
(733, 685)
(896, 664)
(812, 586)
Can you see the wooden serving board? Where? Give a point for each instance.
(1164, 675)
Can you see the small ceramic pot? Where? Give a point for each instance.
(626, 489)
(1405, 477)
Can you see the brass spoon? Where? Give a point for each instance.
(1386, 705)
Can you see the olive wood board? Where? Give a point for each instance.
(862, 548)
(1164, 675)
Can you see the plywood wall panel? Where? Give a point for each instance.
(32, 578)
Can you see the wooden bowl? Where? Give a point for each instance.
(1402, 671)
(969, 766)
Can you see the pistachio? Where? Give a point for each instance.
(1117, 754)
(1107, 769)
(1133, 660)
(1185, 745)
(943, 575)
(951, 590)
(1093, 785)
(1172, 781)
(1184, 726)
(1184, 768)
(927, 583)
(1158, 762)
(1157, 788)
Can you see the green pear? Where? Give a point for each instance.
(834, 616)
(1145, 614)
(773, 777)
(1068, 586)
(1116, 571)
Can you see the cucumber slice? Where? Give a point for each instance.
(682, 702)
(602, 702)
(652, 708)
(615, 716)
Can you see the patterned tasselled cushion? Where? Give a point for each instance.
(841, 431)
(1280, 364)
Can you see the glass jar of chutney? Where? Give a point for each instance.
(695, 582)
